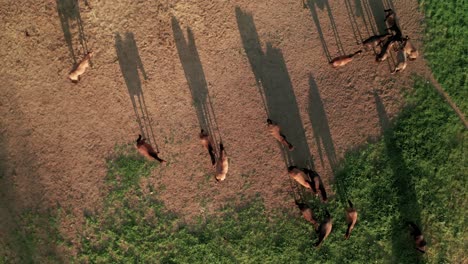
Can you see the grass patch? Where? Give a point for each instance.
(134, 226)
(35, 238)
(417, 173)
(446, 46)
(125, 169)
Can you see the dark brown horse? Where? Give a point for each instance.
(325, 229)
(418, 237)
(307, 214)
(146, 150)
(206, 143)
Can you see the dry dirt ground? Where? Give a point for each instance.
(167, 69)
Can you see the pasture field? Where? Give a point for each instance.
(74, 189)
(446, 46)
(414, 173)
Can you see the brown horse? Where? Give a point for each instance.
(299, 176)
(343, 60)
(325, 229)
(375, 41)
(418, 237)
(307, 214)
(146, 150)
(317, 186)
(409, 49)
(222, 164)
(390, 19)
(402, 62)
(275, 131)
(351, 218)
(206, 143)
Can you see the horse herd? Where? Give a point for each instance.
(308, 178)
(392, 39)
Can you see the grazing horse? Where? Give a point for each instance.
(222, 164)
(275, 131)
(390, 19)
(299, 176)
(375, 41)
(409, 49)
(317, 186)
(402, 62)
(206, 143)
(343, 60)
(74, 76)
(324, 230)
(307, 214)
(418, 237)
(146, 150)
(351, 218)
(383, 55)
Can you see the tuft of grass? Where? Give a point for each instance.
(446, 46)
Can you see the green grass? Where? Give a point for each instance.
(416, 172)
(446, 46)
(135, 226)
(34, 238)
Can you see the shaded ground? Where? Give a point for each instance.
(217, 64)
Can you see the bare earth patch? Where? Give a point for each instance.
(170, 68)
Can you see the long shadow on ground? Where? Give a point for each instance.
(319, 121)
(275, 87)
(408, 207)
(377, 9)
(196, 80)
(372, 13)
(130, 63)
(69, 13)
(323, 4)
(28, 230)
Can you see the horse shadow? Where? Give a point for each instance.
(275, 87)
(408, 206)
(130, 65)
(312, 5)
(320, 127)
(195, 76)
(69, 13)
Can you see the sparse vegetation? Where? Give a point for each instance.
(33, 239)
(446, 46)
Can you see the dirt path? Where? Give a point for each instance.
(166, 69)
